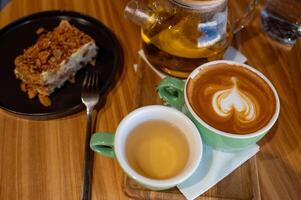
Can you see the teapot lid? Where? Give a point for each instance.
(199, 4)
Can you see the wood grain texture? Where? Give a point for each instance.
(44, 159)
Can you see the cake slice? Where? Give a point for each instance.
(54, 59)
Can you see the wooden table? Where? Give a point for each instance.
(44, 159)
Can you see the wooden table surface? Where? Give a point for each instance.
(44, 159)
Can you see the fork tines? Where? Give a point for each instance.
(91, 80)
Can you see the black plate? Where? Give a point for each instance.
(22, 33)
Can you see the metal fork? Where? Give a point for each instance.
(90, 97)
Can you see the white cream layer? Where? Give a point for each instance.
(69, 67)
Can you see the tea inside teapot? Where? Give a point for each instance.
(180, 35)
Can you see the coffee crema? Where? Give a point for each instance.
(231, 98)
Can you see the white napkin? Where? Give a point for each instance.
(214, 166)
(231, 54)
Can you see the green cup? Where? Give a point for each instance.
(113, 145)
(174, 92)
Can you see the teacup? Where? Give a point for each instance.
(157, 146)
(232, 104)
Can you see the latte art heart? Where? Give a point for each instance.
(228, 101)
(231, 98)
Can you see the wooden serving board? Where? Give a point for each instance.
(241, 184)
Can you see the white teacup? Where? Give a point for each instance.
(114, 146)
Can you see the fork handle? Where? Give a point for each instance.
(86, 190)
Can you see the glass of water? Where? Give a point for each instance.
(281, 19)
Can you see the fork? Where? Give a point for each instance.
(90, 97)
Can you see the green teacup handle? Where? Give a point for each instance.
(171, 90)
(103, 143)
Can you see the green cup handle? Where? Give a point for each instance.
(171, 90)
(103, 143)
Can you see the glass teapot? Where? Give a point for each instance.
(180, 35)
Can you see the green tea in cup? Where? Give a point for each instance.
(157, 149)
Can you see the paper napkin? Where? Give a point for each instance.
(214, 166)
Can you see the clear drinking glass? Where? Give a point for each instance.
(281, 19)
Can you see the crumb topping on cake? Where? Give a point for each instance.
(52, 48)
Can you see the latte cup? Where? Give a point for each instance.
(114, 145)
(229, 98)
